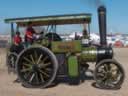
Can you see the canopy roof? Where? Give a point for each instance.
(51, 20)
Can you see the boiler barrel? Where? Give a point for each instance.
(93, 54)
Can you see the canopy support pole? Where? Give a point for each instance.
(12, 32)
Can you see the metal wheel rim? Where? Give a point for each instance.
(36, 75)
(11, 60)
(110, 77)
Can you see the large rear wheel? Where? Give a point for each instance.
(37, 67)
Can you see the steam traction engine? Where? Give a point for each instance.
(46, 61)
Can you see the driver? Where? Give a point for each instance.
(29, 34)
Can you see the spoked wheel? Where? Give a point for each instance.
(11, 60)
(37, 67)
(109, 74)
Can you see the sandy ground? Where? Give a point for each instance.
(9, 88)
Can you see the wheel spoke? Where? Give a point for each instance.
(37, 78)
(32, 77)
(32, 59)
(102, 81)
(106, 82)
(110, 83)
(27, 65)
(106, 66)
(101, 70)
(116, 76)
(29, 61)
(46, 64)
(114, 70)
(27, 74)
(48, 69)
(45, 58)
(41, 77)
(44, 73)
(39, 59)
(26, 70)
(100, 74)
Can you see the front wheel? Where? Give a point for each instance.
(109, 74)
(37, 67)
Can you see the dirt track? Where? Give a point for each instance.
(9, 88)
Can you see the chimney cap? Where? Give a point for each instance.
(101, 8)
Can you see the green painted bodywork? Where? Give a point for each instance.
(73, 67)
(85, 53)
(88, 54)
(66, 46)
